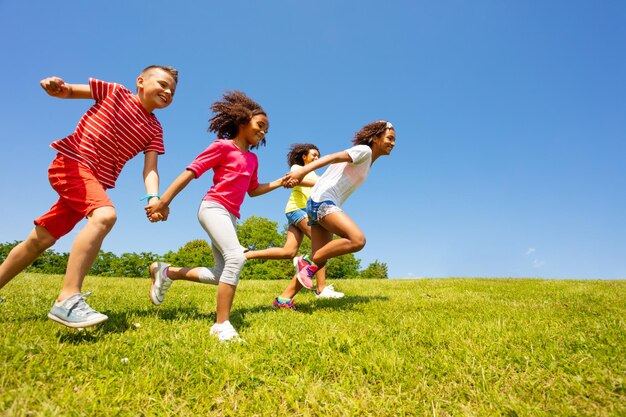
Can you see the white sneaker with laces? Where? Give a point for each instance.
(329, 292)
(225, 332)
(160, 282)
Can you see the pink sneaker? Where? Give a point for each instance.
(304, 271)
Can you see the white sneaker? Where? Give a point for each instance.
(329, 292)
(160, 282)
(225, 332)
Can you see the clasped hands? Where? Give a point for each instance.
(157, 211)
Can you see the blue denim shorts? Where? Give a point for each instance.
(294, 217)
(317, 211)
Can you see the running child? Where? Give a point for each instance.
(300, 154)
(347, 171)
(241, 124)
(88, 162)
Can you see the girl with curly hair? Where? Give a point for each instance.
(300, 154)
(241, 124)
(347, 171)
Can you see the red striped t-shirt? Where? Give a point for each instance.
(111, 132)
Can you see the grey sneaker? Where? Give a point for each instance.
(160, 282)
(225, 332)
(75, 312)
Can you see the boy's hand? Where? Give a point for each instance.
(156, 211)
(56, 87)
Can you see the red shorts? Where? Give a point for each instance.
(79, 191)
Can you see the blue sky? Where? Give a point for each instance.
(510, 118)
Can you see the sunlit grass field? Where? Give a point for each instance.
(429, 347)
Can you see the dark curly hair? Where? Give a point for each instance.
(234, 110)
(297, 151)
(370, 131)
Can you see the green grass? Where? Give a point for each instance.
(432, 347)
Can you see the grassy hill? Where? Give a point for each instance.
(435, 347)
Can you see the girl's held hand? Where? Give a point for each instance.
(292, 179)
(157, 212)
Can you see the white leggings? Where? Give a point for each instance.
(221, 226)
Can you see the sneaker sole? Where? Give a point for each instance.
(77, 325)
(295, 264)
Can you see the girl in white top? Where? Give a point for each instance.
(348, 169)
(300, 154)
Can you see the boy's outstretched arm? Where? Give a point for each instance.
(159, 208)
(266, 187)
(56, 87)
(151, 178)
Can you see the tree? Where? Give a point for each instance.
(132, 264)
(193, 253)
(50, 262)
(375, 270)
(103, 265)
(5, 248)
(343, 267)
(259, 233)
(254, 233)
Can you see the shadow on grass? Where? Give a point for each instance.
(124, 321)
(341, 304)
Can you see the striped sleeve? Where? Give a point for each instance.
(100, 89)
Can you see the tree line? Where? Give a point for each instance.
(254, 233)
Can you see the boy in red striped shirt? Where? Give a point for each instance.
(115, 129)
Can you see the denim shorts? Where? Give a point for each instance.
(317, 211)
(294, 217)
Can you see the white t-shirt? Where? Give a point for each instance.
(341, 179)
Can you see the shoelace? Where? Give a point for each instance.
(80, 306)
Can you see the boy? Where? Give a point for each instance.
(115, 129)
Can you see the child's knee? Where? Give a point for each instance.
(358, 242)
(233, 264)
(290, 251)
(235, 261)
(104, 216)
(40, 239)
(206, 276)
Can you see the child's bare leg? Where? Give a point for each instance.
(225, 297)
(320, 275)
(320, 279)
(351, 238)
(186, 274)
(292, 289)
(288, 251)
(86, 248)
(25, 253)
